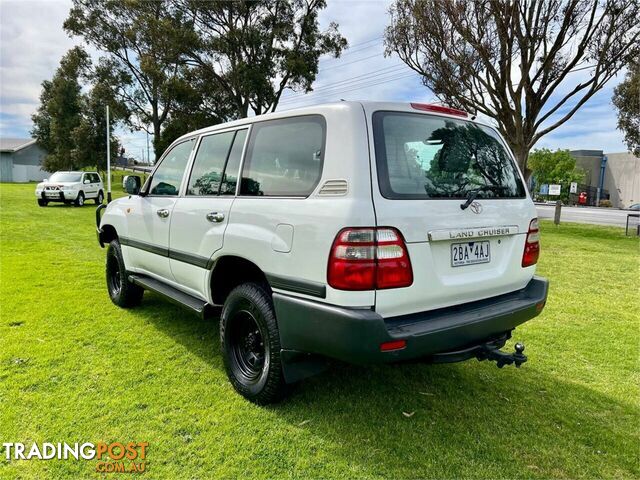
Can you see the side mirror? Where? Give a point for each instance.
(45, 180)
(132, 184)
(86, 180)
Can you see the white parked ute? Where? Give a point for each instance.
(364, 232)
(70, 187)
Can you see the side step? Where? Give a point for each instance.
(172, 294)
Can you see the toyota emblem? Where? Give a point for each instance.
(475, 207)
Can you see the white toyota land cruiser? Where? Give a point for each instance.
(363, 232)
(70, 187)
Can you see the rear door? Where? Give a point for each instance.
(200, 218)
(88, 185)
(453, 190)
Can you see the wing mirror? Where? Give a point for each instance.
(45, 180)
(86, 180)
(132, 184)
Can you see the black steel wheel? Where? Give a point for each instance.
(250, 343)
(121, 291)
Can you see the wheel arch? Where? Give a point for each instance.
(229, 271)
(107, 234)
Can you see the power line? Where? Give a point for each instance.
(360, 87)
(348, 52)
(346, 81)
(353, 61)
(352, 47)
(349, 85)
(344, 85)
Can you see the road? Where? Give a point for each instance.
(598, 216)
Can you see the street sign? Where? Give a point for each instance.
(554, 189)
(574, 187)
(544, 189)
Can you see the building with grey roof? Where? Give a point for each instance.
(21, 160)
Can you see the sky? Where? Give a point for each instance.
(32, 42)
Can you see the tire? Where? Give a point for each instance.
(42, 203)
(100, 198)
(250, 344)
(121, 291)
(79, 200)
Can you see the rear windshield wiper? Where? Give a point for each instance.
(473, 194)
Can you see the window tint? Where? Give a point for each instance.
(233, 165)
(95, 178)
(167, 178)
(421, 156)
(284, 157)
(209, 164)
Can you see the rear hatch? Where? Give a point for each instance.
(453, 190)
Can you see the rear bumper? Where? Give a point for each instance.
(355, 335)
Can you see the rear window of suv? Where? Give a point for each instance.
(422, 156)
(284, 157)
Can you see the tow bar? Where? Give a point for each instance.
(493, 353)
(490, 350)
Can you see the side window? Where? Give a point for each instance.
(233, 164)
(167, 178)
(209, 164)
(95, 178)
(284, 157)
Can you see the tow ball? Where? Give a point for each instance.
(493, 353)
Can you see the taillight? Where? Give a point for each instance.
(427, 107)
(531, 245)
(369, 259)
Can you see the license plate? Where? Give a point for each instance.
(469, 253)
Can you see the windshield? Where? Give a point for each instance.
(421, 156)
(65, 177)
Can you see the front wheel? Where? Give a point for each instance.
(99, 198)
(42, 202)
(121, 291)
(250, 343)
(80, 200)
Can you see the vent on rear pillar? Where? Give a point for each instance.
(334, 188)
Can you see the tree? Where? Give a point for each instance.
(60, 112)
(626, 98)
(89, 137)
(513, 61)
(557, 168)
(198, 103)
(144, 41)
(254, 50)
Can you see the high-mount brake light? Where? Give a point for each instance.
(427, 107)
(369, 259)
(531, 245)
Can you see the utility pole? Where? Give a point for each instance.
(108, 159)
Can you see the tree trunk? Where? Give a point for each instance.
(522, 154)
(156, 140)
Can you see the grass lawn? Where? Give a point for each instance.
(74, 368)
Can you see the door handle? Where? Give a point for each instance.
(163, 213)
(215, 217)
